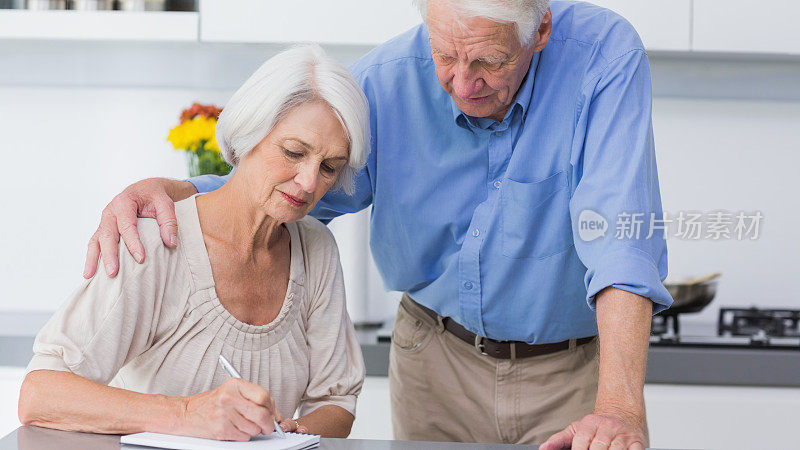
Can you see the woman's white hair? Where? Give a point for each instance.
(526, 15)
(295, 76)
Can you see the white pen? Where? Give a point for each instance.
(235, 374)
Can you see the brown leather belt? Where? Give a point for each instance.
(500, 349)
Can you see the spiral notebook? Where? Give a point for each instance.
(292, 441)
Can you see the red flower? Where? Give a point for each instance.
(209, 111)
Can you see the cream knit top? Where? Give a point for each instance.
(158, 327)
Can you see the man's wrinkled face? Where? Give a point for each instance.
(479, 62)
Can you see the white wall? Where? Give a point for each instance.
(738, 156)
(67, 151)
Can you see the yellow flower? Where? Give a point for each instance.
(212, 144)
(190, 134)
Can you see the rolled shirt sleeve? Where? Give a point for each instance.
(208, 183)
(617, 182)
(337, 366)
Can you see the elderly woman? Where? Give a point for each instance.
(253, 279)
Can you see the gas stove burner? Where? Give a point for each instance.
(736, 328)
(759, 324)
(665, 325)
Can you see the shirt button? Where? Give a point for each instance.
(476, 232)
(468, 285)
(497, 184)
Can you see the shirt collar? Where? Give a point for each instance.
(523, 99)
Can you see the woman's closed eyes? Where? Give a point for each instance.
(325, 167)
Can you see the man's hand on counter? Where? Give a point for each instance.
(618, 420)
(601, 431)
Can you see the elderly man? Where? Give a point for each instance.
(509, 138)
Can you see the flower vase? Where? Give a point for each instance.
(203, 161)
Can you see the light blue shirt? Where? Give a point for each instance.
(482, 220)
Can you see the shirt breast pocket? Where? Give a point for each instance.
(535, 217)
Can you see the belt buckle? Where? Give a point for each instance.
(479, 345)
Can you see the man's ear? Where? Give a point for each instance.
(542, 36)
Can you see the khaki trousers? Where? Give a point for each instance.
(442, 389)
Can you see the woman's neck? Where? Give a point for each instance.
(229, 215)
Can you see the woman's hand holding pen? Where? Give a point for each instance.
(235, 411)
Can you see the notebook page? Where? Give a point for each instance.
(292, 441)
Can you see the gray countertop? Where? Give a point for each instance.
(35, 438)
(665, 364)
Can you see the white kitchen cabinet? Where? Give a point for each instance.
(359, 22)
(679, 416)
(99, 25)
(373, 411)
(10, 382)
(662, 24)
(744, 26)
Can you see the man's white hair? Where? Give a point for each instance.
(525, 15)
(295, 76)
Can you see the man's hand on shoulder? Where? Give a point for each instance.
(153, 198)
